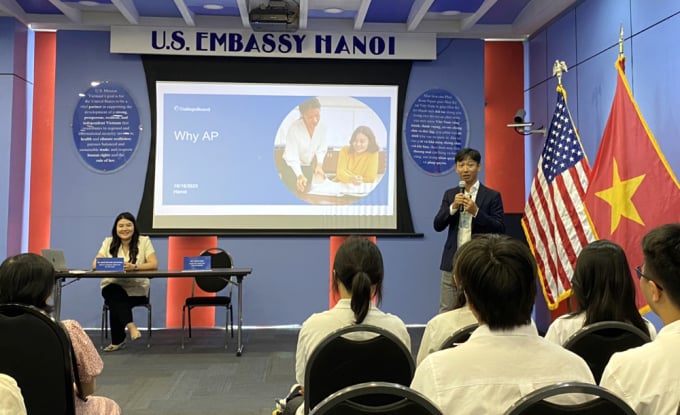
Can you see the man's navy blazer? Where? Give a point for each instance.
(489, 219)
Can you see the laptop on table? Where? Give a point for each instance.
(58, 261)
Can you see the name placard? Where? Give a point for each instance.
(197, 263)
(110, 264)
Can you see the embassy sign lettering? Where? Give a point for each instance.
(194, 41)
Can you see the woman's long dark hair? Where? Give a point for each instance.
(134, 241)
(358, 266)
(27, 279)
(603, 286)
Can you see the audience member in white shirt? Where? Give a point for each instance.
(647, 377)
(603, 288)
(505, 358)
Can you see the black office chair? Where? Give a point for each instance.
(219, 258)
(341, 360)
(140, 302)
(405, 401)
(459, 336)
(36, 351)
(605, 402)
(597, 342)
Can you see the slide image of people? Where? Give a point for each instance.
(331, 150)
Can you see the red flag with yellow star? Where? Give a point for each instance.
(632, 189)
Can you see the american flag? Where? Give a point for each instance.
(554, 221)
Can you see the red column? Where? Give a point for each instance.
(40, 208)
(180, 288)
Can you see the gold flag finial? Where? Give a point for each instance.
(559, 67)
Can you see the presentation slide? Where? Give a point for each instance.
(275, 156)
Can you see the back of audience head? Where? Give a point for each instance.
(26, 279)
(661, 251)
(358, 266)
(498, 276)
(603, 286)
(459, 301)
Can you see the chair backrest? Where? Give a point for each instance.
(459, 336)
(597, 342)
(605, 402)
(342, 359)
(219, 258)
(405, 401)
(36, 351)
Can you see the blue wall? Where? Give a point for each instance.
(290, 278)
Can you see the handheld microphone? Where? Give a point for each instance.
(461, 185)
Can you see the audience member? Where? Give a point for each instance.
(11, 400)
(28, 279)
(121, 294)
(443, 325)
(647, 377)
(603, 288)
(505, 358)
(358, 162)
(358, 277)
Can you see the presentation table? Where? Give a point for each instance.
(239, 273)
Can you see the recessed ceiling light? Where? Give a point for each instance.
(333, 10)
(211, 6)
(88, 3)
(450, 12)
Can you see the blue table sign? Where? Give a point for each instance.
(197, 263)
(110, 264)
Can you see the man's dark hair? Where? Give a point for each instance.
(498, 275)
(470, 153)
(661, 250)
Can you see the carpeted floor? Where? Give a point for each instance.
(204, 378)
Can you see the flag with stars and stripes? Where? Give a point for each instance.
(555, 222)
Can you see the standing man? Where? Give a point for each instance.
(647, 377)
(466, 210)
(305, 148)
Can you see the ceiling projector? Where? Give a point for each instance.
(275, 16)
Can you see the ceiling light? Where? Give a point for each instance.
(333, 10)
(211, 6)
(88, 3)
(450, 12)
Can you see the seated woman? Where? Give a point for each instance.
(443, 325)
(603, 287)
(28, 279)
(121, 294)
(358, 162)
(358, 277)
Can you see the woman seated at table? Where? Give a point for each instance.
(28, 279)
(121, 294)
(358, 162)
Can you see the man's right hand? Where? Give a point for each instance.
(301, 183)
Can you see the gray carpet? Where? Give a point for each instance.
(204, 378)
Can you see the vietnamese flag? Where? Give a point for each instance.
(632, 189)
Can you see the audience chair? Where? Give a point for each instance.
(138, 302)
(355, 354)
(459, 336)
(604, 402)
(405, 401)
(219, 258)
(36, 351)
(596, 343)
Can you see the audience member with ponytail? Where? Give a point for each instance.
(357, 277)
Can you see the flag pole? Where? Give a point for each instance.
(621, 42)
